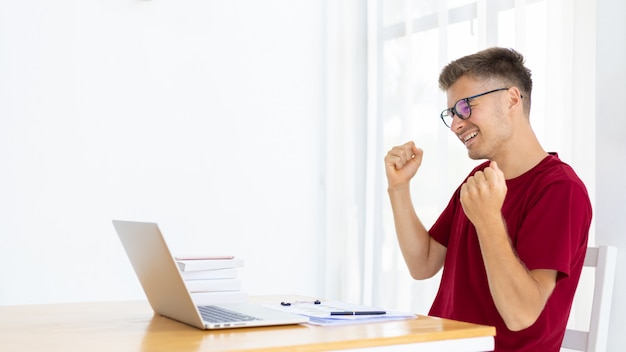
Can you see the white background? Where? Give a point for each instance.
(202, 116)
(610, 209)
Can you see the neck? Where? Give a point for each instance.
(522, 154)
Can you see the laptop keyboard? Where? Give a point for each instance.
(213, 314)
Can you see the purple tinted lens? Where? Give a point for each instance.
(462, 109)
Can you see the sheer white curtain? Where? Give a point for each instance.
(408, 42)
(344, 150)
(383, 60)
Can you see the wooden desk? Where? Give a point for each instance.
(132, 326)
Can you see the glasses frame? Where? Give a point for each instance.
(452, 111)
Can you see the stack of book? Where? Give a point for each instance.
(212, 279)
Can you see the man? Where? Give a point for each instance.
(512, 239)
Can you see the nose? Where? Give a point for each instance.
(457, 123)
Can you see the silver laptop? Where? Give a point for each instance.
(166, 291)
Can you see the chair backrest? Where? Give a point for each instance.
(604, 259)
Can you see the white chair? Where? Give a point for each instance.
(603, 258)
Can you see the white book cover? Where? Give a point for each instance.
(209, 274)
(211, 285)
(208, 264)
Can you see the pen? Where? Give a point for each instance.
(363, 312)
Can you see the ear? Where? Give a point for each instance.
(515, 99)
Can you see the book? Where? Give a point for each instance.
(209, 298)
(230, 273)
(208, 264)
(205, 257)
(211, 285)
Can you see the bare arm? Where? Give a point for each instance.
(423, 255)
(519, 294)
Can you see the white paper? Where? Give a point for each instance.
(319, 314)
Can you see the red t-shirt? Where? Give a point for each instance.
(548, 215)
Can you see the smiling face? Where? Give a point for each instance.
(487, 130)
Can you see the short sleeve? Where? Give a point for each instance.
(442, 228)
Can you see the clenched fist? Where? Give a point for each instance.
(401, 164)
(482, 195)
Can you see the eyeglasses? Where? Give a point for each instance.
(462, 108)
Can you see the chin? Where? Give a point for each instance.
(475, 156)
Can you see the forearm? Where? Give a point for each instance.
(413, 238)
(519, 294)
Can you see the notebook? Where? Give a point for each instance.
(166, 291)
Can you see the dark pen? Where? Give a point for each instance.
(363, 312)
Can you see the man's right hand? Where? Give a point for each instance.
(401, 164)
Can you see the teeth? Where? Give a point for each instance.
(470, 136)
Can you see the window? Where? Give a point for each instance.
(410, 41)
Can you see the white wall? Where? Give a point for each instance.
(203, 116)
(610, 209)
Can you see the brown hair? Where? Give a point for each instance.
(505, 65)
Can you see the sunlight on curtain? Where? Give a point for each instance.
(413, 40)
(344, 146)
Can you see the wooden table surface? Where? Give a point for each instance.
(132, 326)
